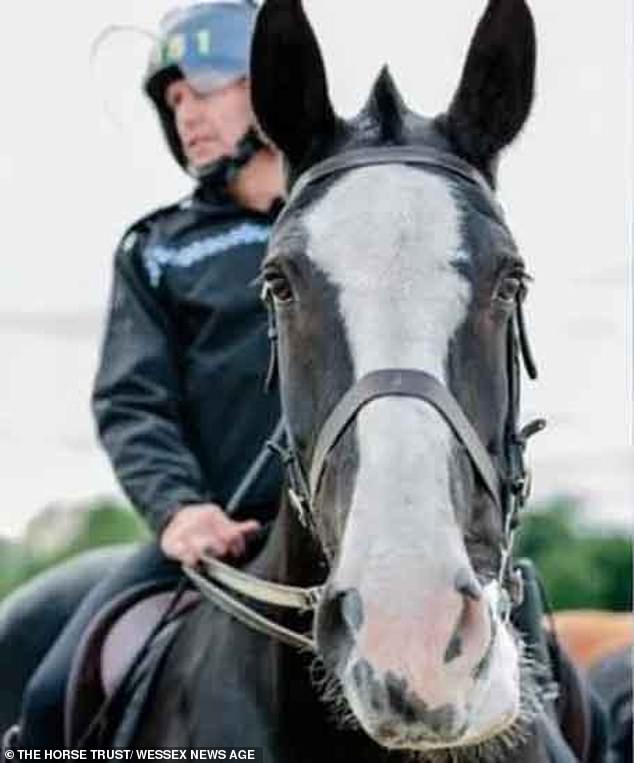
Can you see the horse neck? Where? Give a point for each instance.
(291, 554)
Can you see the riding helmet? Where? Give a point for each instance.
(208, 44)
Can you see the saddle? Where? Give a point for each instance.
(120, 654)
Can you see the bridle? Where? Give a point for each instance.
(509, 489)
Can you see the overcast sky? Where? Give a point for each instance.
(81, 158)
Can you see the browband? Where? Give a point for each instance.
(415, 155)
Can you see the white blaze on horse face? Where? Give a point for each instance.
(389, 238)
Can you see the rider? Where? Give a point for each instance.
(178, 397)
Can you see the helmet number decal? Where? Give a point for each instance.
(203, 40)
(176, 46)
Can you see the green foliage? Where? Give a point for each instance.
(100, 523)
(581, 569)
(107, 524)
(12, 566)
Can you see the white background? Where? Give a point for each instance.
(75, 172)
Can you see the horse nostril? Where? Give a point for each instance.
(467, 585)
(338, 620)
(470, 590)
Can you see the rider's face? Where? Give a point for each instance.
(209, 126)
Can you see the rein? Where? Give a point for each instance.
(509, 490)
(219, 582)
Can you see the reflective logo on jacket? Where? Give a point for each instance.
(157, 258)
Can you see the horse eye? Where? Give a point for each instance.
(278, 285)
(508, 289)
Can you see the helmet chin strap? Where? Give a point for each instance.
(223, 171)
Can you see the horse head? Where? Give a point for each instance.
(382, 263)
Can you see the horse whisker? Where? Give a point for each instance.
(493, 750)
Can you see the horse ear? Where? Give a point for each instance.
(495, 93)
(288, 80)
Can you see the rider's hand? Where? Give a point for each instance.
(196, 529)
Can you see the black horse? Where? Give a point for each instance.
(396, 290)
(612, 679)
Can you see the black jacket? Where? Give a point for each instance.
(179, 396)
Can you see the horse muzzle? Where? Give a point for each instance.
(438, 675)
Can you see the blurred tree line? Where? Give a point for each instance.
(582, 568)
(58, 533)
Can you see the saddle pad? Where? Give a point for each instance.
(111, 645)
(130, 632)
(131, 700)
